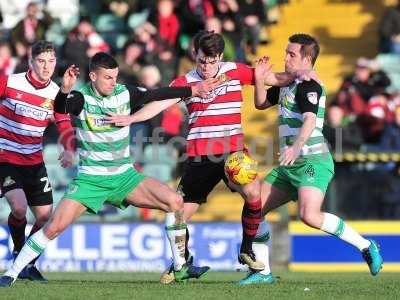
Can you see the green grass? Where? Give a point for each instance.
(215, 285)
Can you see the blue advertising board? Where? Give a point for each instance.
(313, 250)
(131, 247)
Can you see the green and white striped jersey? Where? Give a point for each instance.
(293, 101)
(103, 148)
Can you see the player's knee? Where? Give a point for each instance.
(53, 229)
(175, 202)
(308, 217)
(253, 190)
(19, 211)
(42, 219)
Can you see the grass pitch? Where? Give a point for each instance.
(216, 285)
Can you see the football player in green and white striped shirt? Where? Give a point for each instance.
(306, 166)
(105, 170)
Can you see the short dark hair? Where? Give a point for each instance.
(309, 45)
(42, 46)
(102, 60)
(212, 44)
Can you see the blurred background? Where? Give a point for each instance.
(359, 65)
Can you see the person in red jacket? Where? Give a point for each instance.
(26, 109)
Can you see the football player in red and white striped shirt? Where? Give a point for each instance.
(215, 131)
(26, 109)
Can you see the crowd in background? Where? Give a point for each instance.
(153, 35)
(145, 37)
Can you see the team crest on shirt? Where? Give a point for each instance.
(72, 188)
(47, 104)
(8, 181)
(312, 97)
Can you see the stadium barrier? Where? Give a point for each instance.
(130, 247)
(315, 251)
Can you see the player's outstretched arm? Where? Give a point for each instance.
(145, 113)
(158, 100)
(141, 96)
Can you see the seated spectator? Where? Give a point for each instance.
(358, 88)
(23, 53)
(187, 62)
(193, 14)
(390, 139)
(253, 14)
(82, 43)
(166, 22)
(228, 12)
(389, 30)
(130, 63)
(372, 121)
(119, 8)
(31, 28)
(214, 24)
(7, 62)
(146, 36)
(149, 78)
(340, 134)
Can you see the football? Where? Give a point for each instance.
(240, 168)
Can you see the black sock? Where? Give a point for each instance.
(17, 231)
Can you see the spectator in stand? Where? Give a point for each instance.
(389, 30)
(166, 22)
(130, 63)
(372, 122)
(390, 140)
(340, 134)
(7, 61)
(358, 88)
(82, 43)
(193, 14)
(31, 28)
(253, 14)
(228, 12)
(120, 8)
(146, 36)
(22, 55)
(214, 24)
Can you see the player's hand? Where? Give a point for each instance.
(67, 159)
(69, 79)
(203, 88)
(307, 75)
(289, 156)
(120, 120)
(263, 68)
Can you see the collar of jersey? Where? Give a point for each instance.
(94, 95)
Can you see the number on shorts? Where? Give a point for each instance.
(47, 187)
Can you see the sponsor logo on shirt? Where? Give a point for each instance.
(28, 111)
(312, 97)
(8, 181)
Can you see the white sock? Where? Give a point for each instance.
(261, 246)
(177, 237)
(336, 226)
(33, 247)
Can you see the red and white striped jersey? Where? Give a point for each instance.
(26, 109)
(215, 122)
